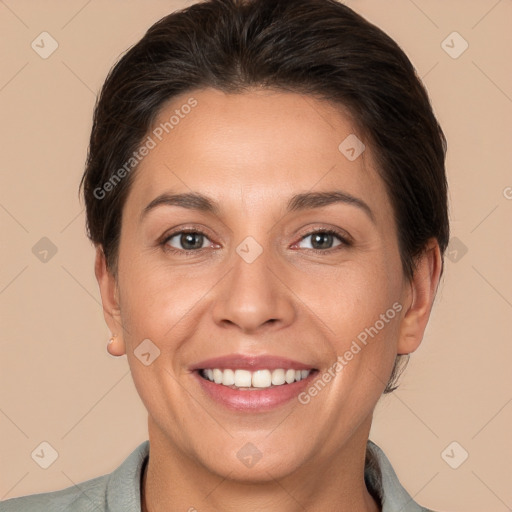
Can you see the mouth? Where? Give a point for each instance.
(252, 384)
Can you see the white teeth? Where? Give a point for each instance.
(278, 377)
(242, 378)
(257, 379)
(290, 376)
(261, 379)
(228, 377)
(217, 376)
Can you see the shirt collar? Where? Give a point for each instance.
(395, 497)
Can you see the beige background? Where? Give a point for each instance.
(58, 383)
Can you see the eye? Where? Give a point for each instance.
(322, 240)
(191, 241)
(186, 241)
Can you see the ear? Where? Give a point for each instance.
(423, 287)
(110, 300)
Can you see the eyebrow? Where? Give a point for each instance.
(298, 202)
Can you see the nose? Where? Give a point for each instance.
(254, 296)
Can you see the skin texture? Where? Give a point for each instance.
(250, 153)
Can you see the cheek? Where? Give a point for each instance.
(366, 341)
(361, 307)
(158, 301)
(351, 298)
(156, 305)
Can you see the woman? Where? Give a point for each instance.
(266, 192)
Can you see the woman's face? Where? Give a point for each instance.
(253, 279)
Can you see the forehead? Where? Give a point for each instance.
(260, 146)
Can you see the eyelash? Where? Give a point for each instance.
(345, 241)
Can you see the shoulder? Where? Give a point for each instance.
(119, 490)
(395, 497)
(89, 495)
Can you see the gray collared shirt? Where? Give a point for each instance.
(119, 491)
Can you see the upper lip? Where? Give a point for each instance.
(250, 362)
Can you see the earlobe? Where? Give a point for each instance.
(423, 287)
(115, 346)
(110, 301)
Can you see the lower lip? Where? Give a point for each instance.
(254, 400)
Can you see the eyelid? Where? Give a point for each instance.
(188, 228)
(341, 233)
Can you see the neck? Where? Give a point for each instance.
(171, 481)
